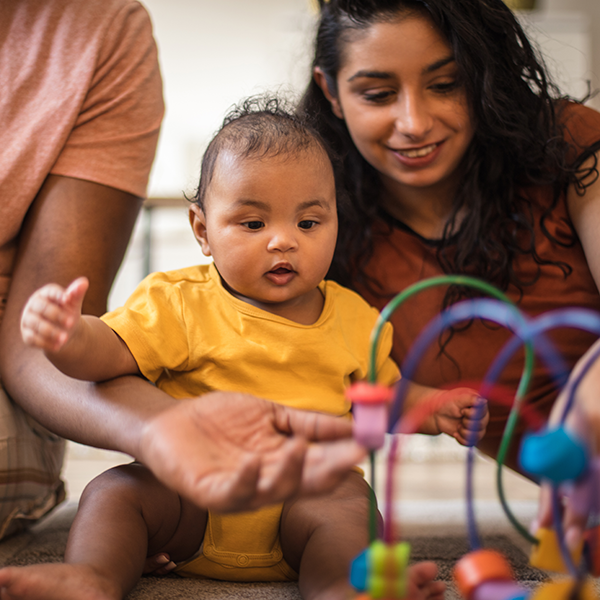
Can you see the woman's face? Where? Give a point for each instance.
(399, 95)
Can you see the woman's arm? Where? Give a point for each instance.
(584, 418)
(75, 228)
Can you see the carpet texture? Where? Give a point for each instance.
(46, 542)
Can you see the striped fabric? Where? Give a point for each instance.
(30, 463)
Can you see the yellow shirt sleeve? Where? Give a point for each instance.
(152, 324)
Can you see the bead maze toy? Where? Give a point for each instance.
(551, 453)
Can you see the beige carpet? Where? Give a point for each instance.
(46, 541)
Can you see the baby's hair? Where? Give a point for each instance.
(259, 127)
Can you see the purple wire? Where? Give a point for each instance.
(388, 534)
(510, 317)
(557, 518)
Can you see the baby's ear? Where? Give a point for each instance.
(198, 222)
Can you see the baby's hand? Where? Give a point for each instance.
(461, 413)
(51, 315)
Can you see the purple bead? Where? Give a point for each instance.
(500, 590)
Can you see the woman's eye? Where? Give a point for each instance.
(445, 87)
(307, 224)
(253, 224)
(378, 96)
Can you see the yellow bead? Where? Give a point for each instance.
(562, 590)
(546, 554)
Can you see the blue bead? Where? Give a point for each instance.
(359, 571)
(553, 454)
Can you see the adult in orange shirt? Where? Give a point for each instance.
(80, 112)
(459, 157)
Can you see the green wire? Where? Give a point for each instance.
(524, 382)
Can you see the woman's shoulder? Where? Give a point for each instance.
(581, 123)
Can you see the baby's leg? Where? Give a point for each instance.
(320, 536)
(124, 515)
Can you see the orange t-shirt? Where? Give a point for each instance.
(80, 96)
(402, 257)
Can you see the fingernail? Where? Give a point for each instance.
(162, 559)
(170, 566)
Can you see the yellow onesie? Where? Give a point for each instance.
(190, 336)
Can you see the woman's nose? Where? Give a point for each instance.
(413, 118)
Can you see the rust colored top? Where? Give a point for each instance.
(401, 257)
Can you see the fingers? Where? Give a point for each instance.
(51, 314)
(326, 464)
(159, 564)
(311, 425)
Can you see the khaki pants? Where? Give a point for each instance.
(30, 463)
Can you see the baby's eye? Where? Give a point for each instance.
(307, 224)
(254, 225)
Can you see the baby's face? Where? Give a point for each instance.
(270, 225)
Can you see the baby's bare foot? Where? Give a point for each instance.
(56, 582)
(421, 584)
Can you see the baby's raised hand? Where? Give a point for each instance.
(460, 413)
(51, 315)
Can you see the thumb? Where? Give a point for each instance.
(75, 293)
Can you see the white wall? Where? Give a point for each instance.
(213, 53)
(591, 11)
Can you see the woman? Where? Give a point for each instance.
(459, 157)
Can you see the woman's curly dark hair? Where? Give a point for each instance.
(518, 139)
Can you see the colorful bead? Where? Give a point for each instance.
(553, 454)
(479, 567)
(546, 554)
(370, 412)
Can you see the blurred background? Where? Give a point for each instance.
(215, 53)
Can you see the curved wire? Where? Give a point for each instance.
(385, 315)
(506, 315)
(493, 310)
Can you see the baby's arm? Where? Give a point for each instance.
(81, 346)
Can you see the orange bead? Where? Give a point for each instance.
(480, 566)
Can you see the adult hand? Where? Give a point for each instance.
(231, 451)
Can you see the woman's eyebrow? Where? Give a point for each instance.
(370, 75)
(438, 64)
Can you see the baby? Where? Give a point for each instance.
(260, 319)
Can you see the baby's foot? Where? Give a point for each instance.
(56, 582)
(421, 584)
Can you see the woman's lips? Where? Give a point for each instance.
(417, 157)
(417, 152)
